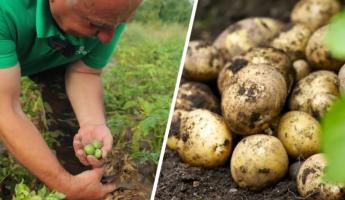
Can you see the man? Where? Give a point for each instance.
(57, 43)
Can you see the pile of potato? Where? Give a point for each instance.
(274, 83)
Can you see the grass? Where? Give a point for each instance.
(139, 84)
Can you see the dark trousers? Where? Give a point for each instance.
(60, 115)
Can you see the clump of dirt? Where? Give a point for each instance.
(125, 169)
(180, 181)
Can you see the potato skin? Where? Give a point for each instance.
(192, 95)
(314, 13)
(245, 34)
(300, 134)
(254, 99)
(318, 54)
(301, 69)
(315, 93)
(258, 161)
(310, 181)
(174, 132)
(260, 55)
(206, 141)
(293, 41)
(203, 61)
(341, 77)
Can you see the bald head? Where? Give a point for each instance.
(92, 17)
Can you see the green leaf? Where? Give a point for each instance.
(335, 35)
(333, 141)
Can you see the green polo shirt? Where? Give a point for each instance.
(26, 27)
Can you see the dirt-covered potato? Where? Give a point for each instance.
(300, 134)
(192, 95)
(245, 34)
(205, 139)
(254, 98)
(314, 13)
(315, 93)
(301, 68)
(258, 161)
(293, 41)
(310, 182)
(319, 55)
(341, 77)
(224, 77)
(263, 55)
(174, 132)
(274, 57)
(203, 61)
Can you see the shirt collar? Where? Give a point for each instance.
(45, 25)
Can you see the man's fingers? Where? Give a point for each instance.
(107, 146)
(94, 161)
(99, 172)
(109, 187)
(82, 157)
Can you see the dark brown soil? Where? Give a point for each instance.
(179, 181)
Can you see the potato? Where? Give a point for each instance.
(300, 134)
(245, 34)
(310, 183)
(274, 57)
(293, 41)
(192, 95)
(205, 139)
(224, 77)
(174, 131)
(254, 99)
(301, 68)
(314, 13)
(319, 55)
(341, 77)
(263, 55)
(203, 61)
(315, 93)
(258, 161)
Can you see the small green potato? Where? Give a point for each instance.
(97, 144)
(98, 153)
(300, 134)
(89, 149)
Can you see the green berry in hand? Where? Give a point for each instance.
(89, 149)
(98, 153)
(97, 144)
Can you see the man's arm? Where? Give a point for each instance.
(85, 91)
(22, 138)
(24, 141)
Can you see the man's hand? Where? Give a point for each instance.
(86, 135)
(87, 186)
